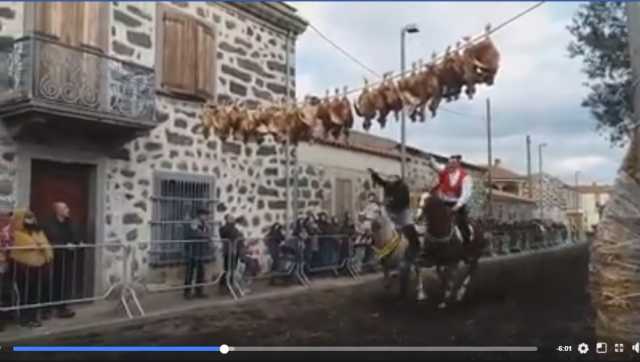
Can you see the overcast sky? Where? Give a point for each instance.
(537, 90)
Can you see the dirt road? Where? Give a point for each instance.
(551, 312)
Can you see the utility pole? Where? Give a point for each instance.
(529, 176)
(410, 29)
(541, 196)
(576, 193)
(490, 158)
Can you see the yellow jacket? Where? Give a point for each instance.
(40, 253)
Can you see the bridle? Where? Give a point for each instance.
(444, 239)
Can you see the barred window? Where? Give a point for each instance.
(176, 198)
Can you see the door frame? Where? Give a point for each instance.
(25, 155)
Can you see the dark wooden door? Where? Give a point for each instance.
(69, 183)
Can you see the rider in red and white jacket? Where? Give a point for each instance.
(455, 187)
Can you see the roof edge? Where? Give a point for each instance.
(276, 13)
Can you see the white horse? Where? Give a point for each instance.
(391, 248)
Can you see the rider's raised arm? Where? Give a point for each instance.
(376, 178)
(435, 166)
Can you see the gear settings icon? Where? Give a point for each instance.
(583, 348)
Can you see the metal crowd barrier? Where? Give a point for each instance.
(36, 290)
(194, 262)
(25, 289)
(328, 252)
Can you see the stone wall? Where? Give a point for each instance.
(11, 27)
(250, 179)
(510, 211)
(555, 198)
(8, 171)
(251, 56)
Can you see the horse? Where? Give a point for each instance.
(391, 248)
(443, 246)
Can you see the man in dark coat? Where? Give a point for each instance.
(61, 231)
(198, 236)
(230, 235)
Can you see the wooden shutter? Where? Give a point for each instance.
(344, 197)
(74, 23)
(93, 31)
(49, 18)
(205, 81)
(178, 53)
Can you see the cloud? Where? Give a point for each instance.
(538, 89)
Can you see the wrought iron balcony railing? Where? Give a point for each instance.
(46, 73)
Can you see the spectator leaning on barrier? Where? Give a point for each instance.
(32, 263)
(197, 237)
(62, 232)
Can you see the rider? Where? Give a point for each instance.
(455, 187)
(397, 202)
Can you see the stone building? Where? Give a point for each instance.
(592, 200)
(100, 105)
(555, 202)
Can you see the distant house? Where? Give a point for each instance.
(592, 200)
(509, 199)
(503, 179)
(554, 200)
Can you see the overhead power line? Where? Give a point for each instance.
(346, 53)
(437, 58)
(471, 41)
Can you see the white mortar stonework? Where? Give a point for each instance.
(249, 178)
(11, 27)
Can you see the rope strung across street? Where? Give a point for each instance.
(346, 53)
(471, 41)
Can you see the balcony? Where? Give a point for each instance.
(44, 82)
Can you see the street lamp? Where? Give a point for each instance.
(541, 180)
(411, 29)
(577, 193)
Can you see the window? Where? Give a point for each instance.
(186, 54)
(176, 197)
(343, 197)
(79, 24)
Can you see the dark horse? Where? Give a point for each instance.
(443, 247)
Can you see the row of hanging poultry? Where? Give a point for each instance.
(463, 67)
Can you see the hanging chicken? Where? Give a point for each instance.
(346, 113)
(365, 105)
(426, 89)
(481, 63)
(389, 99)
(451, 74)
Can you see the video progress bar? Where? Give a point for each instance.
(386, 349)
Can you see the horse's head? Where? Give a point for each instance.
(438, 215)
(376, 222)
